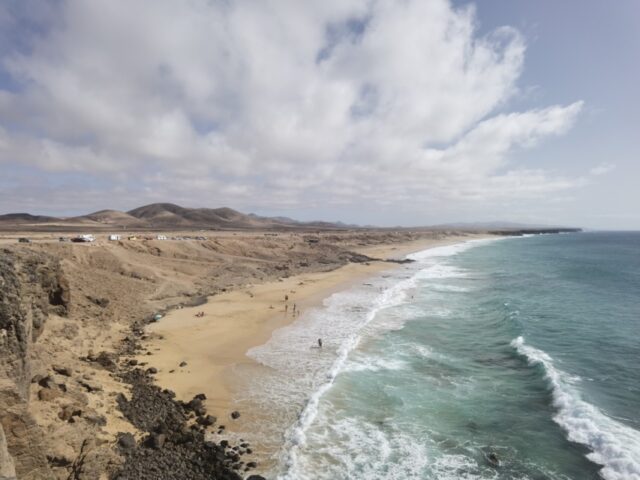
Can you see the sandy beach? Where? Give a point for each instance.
(211, 346)
(92, 304)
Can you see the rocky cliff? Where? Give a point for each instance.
(31, 286)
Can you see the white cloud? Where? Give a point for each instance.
(602, 169)
(305, 103)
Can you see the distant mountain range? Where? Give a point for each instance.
(163, 216)
(168, 216)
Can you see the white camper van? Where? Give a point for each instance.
(84, 238)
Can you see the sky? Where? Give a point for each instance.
(384, 112)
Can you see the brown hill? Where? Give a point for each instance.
(165, 216)
(169, 215)
(25, 218)
(113, 217)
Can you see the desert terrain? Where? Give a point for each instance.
(80, 370)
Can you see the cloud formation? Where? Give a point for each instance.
(300, 103)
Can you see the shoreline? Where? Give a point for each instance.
(210, 347)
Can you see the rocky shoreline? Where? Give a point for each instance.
(69, 413)
(174, 444)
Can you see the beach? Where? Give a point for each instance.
(93, 306)
(199, 350)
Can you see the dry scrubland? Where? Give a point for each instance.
(72, 318)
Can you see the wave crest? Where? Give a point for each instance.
(614, 445)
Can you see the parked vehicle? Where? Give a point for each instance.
(84, 238)
(24, 240)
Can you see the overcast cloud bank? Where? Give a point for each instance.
(280, 103)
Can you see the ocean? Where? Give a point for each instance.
(523, 348)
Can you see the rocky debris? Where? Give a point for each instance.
(206, 421)
(196, 405)
(156, 440)
(95, 419)
(172, 448)
(400, 261)
(126, 441)
(149, 406)
(68, 412)
(48, 394)
(235, 414)
(66, 371)
(101, 302)
(104, 359)
(47, 382)
(95, 458)
(358, 258)
(183, 364)
(61, 455)
(91, 387)
(152, 370)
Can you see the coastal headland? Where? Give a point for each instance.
(116, 355)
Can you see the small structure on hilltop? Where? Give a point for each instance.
(114, 237)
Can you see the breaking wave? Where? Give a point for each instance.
(614, 445)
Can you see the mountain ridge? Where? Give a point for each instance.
(165, 215)
(170, 216)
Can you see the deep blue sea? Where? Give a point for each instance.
(527, 348)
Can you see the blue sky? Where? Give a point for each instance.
(383, 112)
(587, 50)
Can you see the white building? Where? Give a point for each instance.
(113, 237)
(161, 237)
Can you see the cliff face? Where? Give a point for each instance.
(31, 286)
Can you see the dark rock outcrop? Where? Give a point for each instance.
(173, 448)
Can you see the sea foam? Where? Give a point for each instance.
(614, 445)
(428, 266)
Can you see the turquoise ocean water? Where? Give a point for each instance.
(524, 347)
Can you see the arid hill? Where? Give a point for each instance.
(25, 218)
(112, 217)
(166, 216)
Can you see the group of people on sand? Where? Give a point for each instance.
(200, 314)
(295, 310)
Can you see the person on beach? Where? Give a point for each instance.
(286, 298)
(319, 343)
